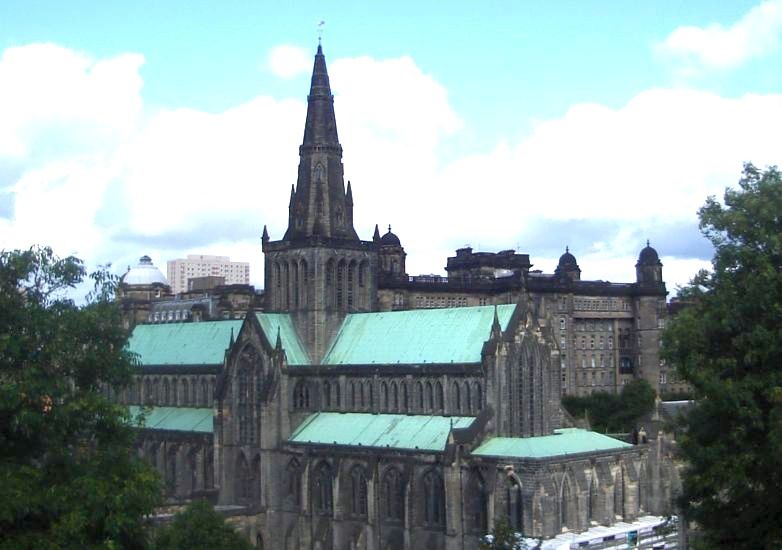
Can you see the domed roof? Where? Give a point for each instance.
(389, 239)
(145, 273)
(567, 259)
(648, 256)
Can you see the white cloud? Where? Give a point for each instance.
(287, 61)
(173, 182)
(718, 47)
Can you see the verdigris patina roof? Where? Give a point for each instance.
(271, 323)
(201, 343)
(566, 441)
(180, 419)
(393, 431)
(453, 335)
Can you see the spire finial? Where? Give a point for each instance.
(567, 249)
(647, 242)
(389, 228)
(320, 34)
(376, 236)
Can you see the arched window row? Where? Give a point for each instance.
(389, 395)
(290, 283)
(184, 468)
(347, 284)
(172, 391)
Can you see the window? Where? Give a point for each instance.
(562, 323)
(293, 478)
(358, 491)
(243, 406)
(393, 496)
(434, 499)
(327, 394)
(301, 395)
(322, 490)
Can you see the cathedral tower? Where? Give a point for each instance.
(320, 270)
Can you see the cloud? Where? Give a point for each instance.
(756, 34)
(287, 61)
(111, 186)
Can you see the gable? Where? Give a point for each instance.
(202, 343)
(271, 323)
(452, 335)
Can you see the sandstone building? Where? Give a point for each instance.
(360, 407)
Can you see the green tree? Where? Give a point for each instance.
(68, 478)
(728, 346)
(199, 527)
(503, 537)
(613, 413)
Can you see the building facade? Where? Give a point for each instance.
(181, 270)
(361, 408)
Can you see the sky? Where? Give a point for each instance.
(172, 128)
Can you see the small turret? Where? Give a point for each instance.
(568, 266)
(649, 268)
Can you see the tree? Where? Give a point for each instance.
(199, 527)
(612, 413)
(503, 537)
(728, 346)
(68, 478)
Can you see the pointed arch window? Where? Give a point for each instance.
(327, 394)
(439, 396)
(477, 503)
(243, 405)
(322, 490)
(318, 173)
(434, 499)
(243, 480)
(205, 397)
(393, 496)
(457, 398)
(358, 491)
(419, 389)
(166, 392)
(293, 481)
(467, 398)
(565, 518)
(301, 395)
(185, 393)
(394, 397)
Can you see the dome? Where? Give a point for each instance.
(567, 260)
(648, 256)
(145, 273)
(389, 239)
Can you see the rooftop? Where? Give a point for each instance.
(566, 441)
(176, 418)
(183, 343)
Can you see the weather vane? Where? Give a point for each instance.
(320, 30)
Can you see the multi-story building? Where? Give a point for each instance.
(181, 270)
(363, 408)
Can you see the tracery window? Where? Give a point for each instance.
(358, 491)
(434, 499)
(185, 393)
(467, 398)
(393, 495)
(477, 503)
(244, 412)
(293, 479)
(322, 490)
(301, 395)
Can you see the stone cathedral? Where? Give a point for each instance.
(362, 408)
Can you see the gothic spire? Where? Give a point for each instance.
(320, 206)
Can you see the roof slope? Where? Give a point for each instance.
(395, 431)
(453, 335)
(566, 441)
(201, 343)
(271, 323)
(176, 418)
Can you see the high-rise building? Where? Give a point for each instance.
(201, 265)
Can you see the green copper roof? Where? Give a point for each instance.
(566, 441)
(183, 343)
(294, 351)
(394, 431)
(453, 335)
(176, 418)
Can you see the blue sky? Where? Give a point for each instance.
(502, 125)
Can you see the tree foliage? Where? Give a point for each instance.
(610, 412)
(728, 346)
(68, 478)
(503, 537)
(199, 527)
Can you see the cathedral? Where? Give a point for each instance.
(354, 406)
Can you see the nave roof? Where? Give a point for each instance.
(181, 419)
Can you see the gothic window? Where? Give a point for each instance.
(619, 494)
(301, 395)
(148, 391)
(353, 402)
(384, 396)
(591, 500)
(370, 394)
(286, 295)
(467, 398)
(457, 398)
(476, 503)
(293, 479)
(244, 412)
(362, 274)
(243, 484)
(339, 216)
(185, 393)
(255, 479)
(322, 490)
(340, 284)
(358, 491)
(429, 396)
(327, 394)
(166, 392)
(393, 495)
(419, 390)
(564, 505)
(206, 400)
(318, 173)
(478, 396)
(330, 276)
(171, 470)
(361, 395)
(351, 278)
(296, 287)
(304, 283)
(434, 499)
(394, 397)
(337, 396)
(192, 465)
(439, 396)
